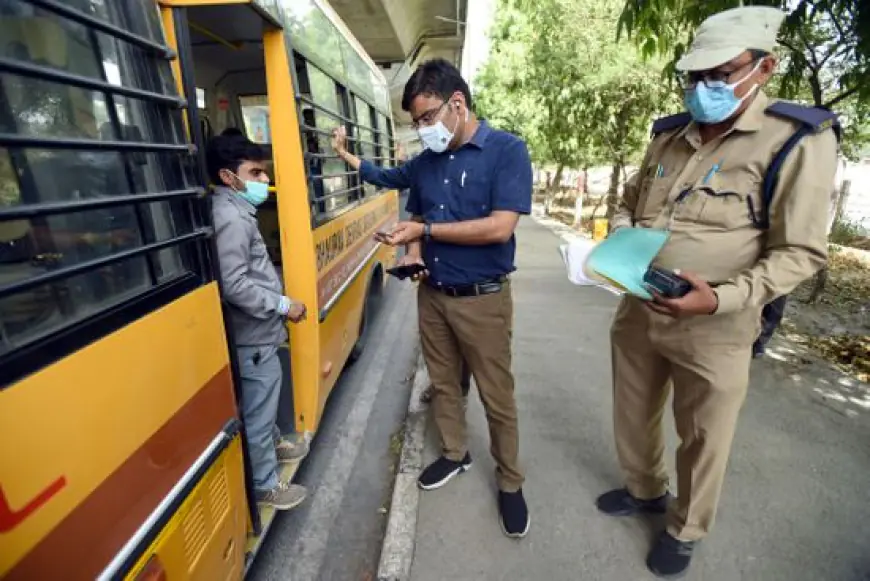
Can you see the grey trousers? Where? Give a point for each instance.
(261, 387)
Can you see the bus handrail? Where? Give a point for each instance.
(144, 535)
(50, 208)
(112, 30)
(16, 140)
(89, 265)
(324, 312)
(46, 73)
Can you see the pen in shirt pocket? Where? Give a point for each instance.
(713, 171)
(462, 180)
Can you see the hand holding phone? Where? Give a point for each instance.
(404, 271)
(382, 237)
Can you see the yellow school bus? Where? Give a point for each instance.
(122, 453)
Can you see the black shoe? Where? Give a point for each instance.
(758, 349)
(670, 557)
(439, 472)
(620, 502)
(513, 514)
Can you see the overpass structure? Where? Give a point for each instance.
(400, 34)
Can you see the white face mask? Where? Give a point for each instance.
(437, 137)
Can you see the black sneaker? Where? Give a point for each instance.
(670, 557)
(513, 514)
(620, 502)
(439, 472)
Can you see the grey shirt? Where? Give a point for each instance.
(251, 286)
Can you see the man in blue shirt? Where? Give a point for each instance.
(467, 192)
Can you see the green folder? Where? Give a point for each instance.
(623, 258)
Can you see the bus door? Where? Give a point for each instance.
(223, 48)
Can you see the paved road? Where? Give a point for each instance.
(795, 505)
(336, 535)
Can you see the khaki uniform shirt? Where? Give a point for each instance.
(712, 231)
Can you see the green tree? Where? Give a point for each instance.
(557, 76)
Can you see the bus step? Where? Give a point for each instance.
(286, 473)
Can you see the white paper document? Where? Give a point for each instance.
(574, 256)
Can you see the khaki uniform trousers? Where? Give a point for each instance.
(477, 329)
(706, 360)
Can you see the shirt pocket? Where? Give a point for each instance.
(652, 197)
(471, 198)
(728, 202)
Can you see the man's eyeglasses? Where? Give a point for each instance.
(712, 79)
(428, 118)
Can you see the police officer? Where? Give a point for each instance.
(467, 192)
(702, 176)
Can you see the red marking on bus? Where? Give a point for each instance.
(9, 518)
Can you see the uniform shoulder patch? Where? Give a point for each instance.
(670, 122)
(816, 117)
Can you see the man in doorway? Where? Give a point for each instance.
(701, 179)
(467, 192)
(258, 310)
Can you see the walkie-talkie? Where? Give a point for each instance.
(667, 283)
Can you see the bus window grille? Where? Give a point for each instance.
(59, 7)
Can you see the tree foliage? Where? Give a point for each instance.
(557, 76)
(825, 49)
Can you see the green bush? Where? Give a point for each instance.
(846, 232)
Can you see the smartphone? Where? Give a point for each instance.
(667, 283)
(406, 270)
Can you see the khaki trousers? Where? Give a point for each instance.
(478, 330)
(706, 360)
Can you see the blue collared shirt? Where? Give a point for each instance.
(492, 172)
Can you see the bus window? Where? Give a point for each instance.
(314, 34)
(255, 114)
(327, 117)
(106, 236)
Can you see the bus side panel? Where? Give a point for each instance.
(101, 436)
(205, 538)
(341, 246)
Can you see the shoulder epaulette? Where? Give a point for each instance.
(817, 118)
(670, 122)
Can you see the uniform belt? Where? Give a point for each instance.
(486, 287)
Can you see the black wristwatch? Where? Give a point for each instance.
(427, 231)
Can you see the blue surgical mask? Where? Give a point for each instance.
(711, 102)
(437, 137)
(255, 193)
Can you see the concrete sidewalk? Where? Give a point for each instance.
(795, 505)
